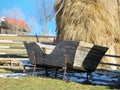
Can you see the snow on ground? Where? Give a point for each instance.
(13, 75)
(25, 62)
(80, 77)
(95, 77)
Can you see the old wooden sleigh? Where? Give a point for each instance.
(80, 55)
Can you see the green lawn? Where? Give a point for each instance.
(39, 83)
(43, 83)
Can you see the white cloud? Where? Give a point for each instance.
(13, 13)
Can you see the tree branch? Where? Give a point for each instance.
(58, 9)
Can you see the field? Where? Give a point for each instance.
(38, 83)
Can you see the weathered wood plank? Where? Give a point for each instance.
(10, 41)
(4, 47)
(88, 56)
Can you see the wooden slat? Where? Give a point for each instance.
(4, 47)
(12, 50)
(112, 56)
(110, 64)
(8, 53)
(9, 41)
(11, 47)
(14, 58)
(88, 56)
(27, 38)
(12, 44)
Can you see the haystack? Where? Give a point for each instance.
(92, 21)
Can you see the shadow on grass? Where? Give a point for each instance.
(109, 83)
(116, 87)
(11, 70)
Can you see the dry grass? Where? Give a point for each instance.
(86, 20)
(89, 21)
(33, 83)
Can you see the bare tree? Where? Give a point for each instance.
(33, 24)
(45, 10)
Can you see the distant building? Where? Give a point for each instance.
(13, 26)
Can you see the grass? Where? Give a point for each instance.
(39, 83)
(11, 70)
(43, 83)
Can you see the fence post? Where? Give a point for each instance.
(65, 67)
(34, 58)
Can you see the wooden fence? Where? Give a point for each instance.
(11, 47)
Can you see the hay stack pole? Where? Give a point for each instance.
(93, 21)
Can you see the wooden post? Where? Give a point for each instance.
(44, 52)
(37, 38)
(65, 67)
(46, 71)
(24, 69)
(56, 72)
(34, 69)
(87, 76)
(10, 62)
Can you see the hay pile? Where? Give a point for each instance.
(89, 21)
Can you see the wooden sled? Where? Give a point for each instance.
(80, 55)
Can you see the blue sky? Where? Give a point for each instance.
(27, 9)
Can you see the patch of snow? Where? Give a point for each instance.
(26, 62)
(104, 77)
(37, 73)
(48, 48)
(99, 83)
(80, 74)
(75, 79)
(13, 75)
(94, 78)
